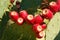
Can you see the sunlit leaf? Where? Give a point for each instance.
(53, 27)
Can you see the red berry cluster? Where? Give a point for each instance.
(53, 6)
(29, 18)
(36, 21)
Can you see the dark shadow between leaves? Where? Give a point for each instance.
(30, 5)
(3, 23)
(57, 37)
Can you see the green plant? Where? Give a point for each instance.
(10, 30)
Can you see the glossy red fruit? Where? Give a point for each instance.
(20, 21)
(40, 34)
(58, 2)
(53, 6)
(37, 28)
(11, 1)
(23, 14)
(13, 15)
(47, 13)
(38, 19)
(30, 19)
(44, 26)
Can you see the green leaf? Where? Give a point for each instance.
(53, 27)
(3, 6)
(18, 32)
(3, 23)
(30, 5)
(51, 0)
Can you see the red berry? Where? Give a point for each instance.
(38, 19)
(20, 21)
(23, 14)
(58, 2)
(40, 34)
(11, 1)
(13, 15)
(30, 19)
(53, 6)
(47, 13)
(37, 28)
(44, 26)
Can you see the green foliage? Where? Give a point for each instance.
(51, 0)
(3, 23)
(53, 27)
(30, 5)
(3, 6)
(17, 32)
(25, 32)
(25, 4)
